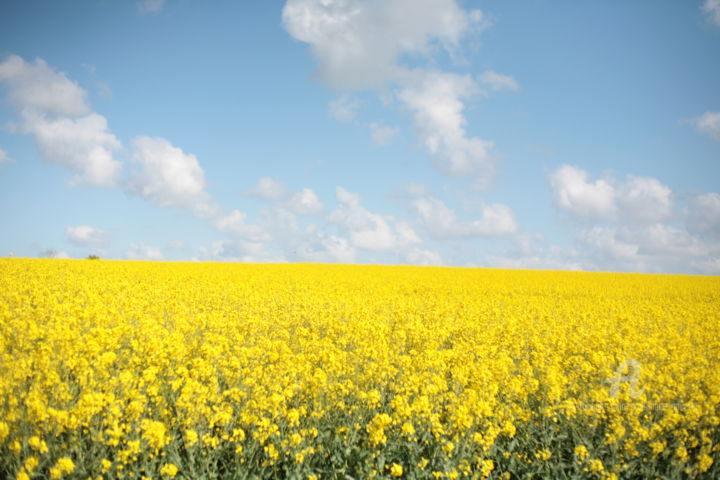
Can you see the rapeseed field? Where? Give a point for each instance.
(146, 370)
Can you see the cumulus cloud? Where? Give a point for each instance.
(83, 145)
(344, 108)
(235, 224)
(497, 81)
(709, 122)
(436, 101)
(168, 177)
(634, 227)
(711, 8)
(84, 235)
(305, 244)
(637, 198)
(646, 248)
(41, 88)
(358, 43)
(305, 202)
(362, 44)
(367, 230)
(141, 251)
(440, 221)
(644, 199)
(576, 195)
(55, 111)
(702, 215)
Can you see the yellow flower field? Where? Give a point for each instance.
(113, 369)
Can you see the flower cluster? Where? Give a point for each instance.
(186, 370)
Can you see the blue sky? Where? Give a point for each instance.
(525, 134)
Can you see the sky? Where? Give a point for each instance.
(571, 135)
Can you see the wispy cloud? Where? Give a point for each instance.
(84, 235)
(150, 7)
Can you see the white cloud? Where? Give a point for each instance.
(435, 99)
(4, 157)
(709, 122)
(84, 235)
(267, 189)
(604, 239)
(712, 9)
(150, 6)
(344, 108)
(235, 224)
(497, 81)
(237, 250)
(140, 251)
(278, 229)
(708, 266)
(305, 202)
(336, 248)
(531, 251)
(358, 43)
(367, 230)
(576, 195)
(54, 109)
(383, 134)
(702, 215)
(646, 248)
(41, 88)
(83, 144)
(306, 244)
(168, 177)
(419, 256)
(440, 221)
(637, 199)
(644, 199)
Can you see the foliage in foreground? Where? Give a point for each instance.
(171, 370)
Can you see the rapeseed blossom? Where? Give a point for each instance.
(150, 370)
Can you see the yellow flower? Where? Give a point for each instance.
(31, 464)
(169, 470)
(681, 453)
(62, 466)
(191, 437)
(543, 455)
(705, 461)
(486, 468)
(396, 470)
(596, 465)
(4, 430)
(408, 428)
(581, 452)
(37, 444)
